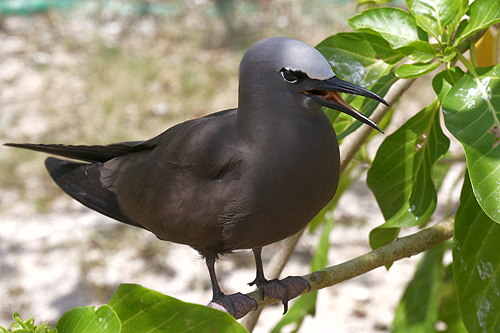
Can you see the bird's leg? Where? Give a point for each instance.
(237, 305)
(284, 290)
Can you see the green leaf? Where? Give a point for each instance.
(359, 58)
(418, 310)
(463, 8)
(400, 176)
(449, 311)
(395, 25)
(144, 310)
(433, 15)
(471, 111)
(445, 80)
(476, 261)
(419, 51)
(449, 54)
(412, 71)
(306, 304)
(86, 320)
(483, 13)
(364, 105)
(382, 236)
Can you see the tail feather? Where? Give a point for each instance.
(85, 153)
(81, 181)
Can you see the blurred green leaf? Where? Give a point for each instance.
(418, 310)
(87, 320)
(483, 13)
(400, 176)
(471, 111)
(476, 261)
(449, 54)
(419, 51)
(306, 304)
(144, 310)
(463, 8)
(433, 15)
(395, 25)
(364, 105)
(359, 58)
(412, 71)
(449, 312)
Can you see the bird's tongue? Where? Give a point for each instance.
(334, 97)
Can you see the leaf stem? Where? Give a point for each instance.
(467, 64)
(473, 57)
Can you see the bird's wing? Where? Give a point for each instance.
(81, 181)
(178, 188)
(164, 184)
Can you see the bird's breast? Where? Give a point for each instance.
(292, 177)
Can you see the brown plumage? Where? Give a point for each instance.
(236, 179)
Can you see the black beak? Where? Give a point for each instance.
(327, 92)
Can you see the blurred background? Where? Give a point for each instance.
(97, 72)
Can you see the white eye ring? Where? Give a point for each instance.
(288, 75)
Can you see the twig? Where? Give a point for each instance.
(404, 247)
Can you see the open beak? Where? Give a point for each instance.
(327, 94)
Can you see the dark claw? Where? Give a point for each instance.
(284, 290)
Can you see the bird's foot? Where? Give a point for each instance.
(285, 289)
(237, 305)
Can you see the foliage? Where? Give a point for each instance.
(392, 44)
(28, 326)
(133, 308)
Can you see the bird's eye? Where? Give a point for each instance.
(288, 75)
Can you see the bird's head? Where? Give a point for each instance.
(280, 65)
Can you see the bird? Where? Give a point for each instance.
(240, 178)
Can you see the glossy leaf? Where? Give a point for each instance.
(463, 8)
(419, 51)
(395, 25)
(471, 111)
(87, 320)
(483, 13)
(400, 176)
(418, 310)
(433, 15)
(445, 80)
(412, 71)
(306, 304)
(144, 310)
(476, 264)
(359, 58)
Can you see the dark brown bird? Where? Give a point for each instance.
(236, 179)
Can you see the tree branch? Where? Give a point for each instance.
(404, 247)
